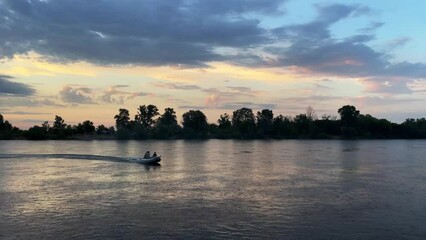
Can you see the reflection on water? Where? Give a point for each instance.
(214, 189)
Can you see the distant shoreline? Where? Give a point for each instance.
(243, 124)
(113, 138)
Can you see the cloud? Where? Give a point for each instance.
(232, 106)
(116, 95)
(397, 42)
(372, 27)
(10, 102)
(232, 92)
(319, 28)
(311, 47)
(26, 113)
(387, 85)
(213, 100)
(252, 105)
(177, 86)
(147, 32)
(8, 87)
(192, 107)
(368, 101)
(76, 95)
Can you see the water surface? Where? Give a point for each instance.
(213, 189)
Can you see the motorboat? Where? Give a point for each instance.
(151, 160)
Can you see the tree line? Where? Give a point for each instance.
(148, 123)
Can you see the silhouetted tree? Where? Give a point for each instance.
(102, 130)
(7, 131)
(86, 127)
(348, 115)
(146, 115)
(301, 123)
(414, 128)
(224, 121)
(282, 127)
(194, 123)
(243, 121)
(167, 126)
(264, 122)
(46, 126)
(310, 113)
(59, 123)
(329, 125)
(36, 133)
(4, 124)
(224, 128)
(168, 118)
(59, 129)
(122, 119)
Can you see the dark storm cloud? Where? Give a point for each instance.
(149, 32)
(8, 87)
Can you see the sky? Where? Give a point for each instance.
(83, 60)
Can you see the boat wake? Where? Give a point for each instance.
(71, 157)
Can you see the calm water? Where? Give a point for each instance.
(213, 189)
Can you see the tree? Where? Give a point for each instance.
(195, 123)
(311, 114)
(86, 127)
(329, 125)
(4, 124)
(348, 115)
(36, 133)
(282, 127)
(301, 122)
(122, 119)
(224, 121)
(168, 118)
(7, 131)
(167, 125)
(264, 121)
(243, 121)
(111, 130)
(60, 130)
(146, 115)
(46, 126)
(102, 130)
(59, 123)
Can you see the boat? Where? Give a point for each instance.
(151, 160)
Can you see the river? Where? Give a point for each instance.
(215, 189)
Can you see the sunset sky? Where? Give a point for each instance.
(85, 59)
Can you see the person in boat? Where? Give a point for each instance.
(147, 155)
(155, 154)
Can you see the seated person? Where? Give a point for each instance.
(155, 154)
(147, 154)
